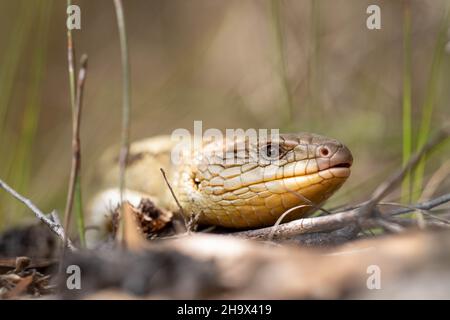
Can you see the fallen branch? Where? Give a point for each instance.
(303, 226)
(330, 238)
(54, 226)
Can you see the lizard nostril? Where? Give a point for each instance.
(324, 151)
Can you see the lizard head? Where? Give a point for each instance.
(243, 183)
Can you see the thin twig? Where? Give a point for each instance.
(389, 225)
(410, 223)
(193, 222)
(71, 64)
(76, 149)
(314, 206)
(186, 223)
(280, 219)
(73, 103)
(53, 225)
(436, 179)
(426, 205)
(126, 100)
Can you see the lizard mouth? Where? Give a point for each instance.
(340, 170)
(342, 165)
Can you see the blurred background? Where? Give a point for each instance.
(297, 65)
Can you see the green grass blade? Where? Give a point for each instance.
(406, 112)
(427, 107)
(33, 104)
(10, 61)
(9, 67)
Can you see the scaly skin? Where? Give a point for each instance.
(235, 184)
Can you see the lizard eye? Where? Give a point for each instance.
(271, 151)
